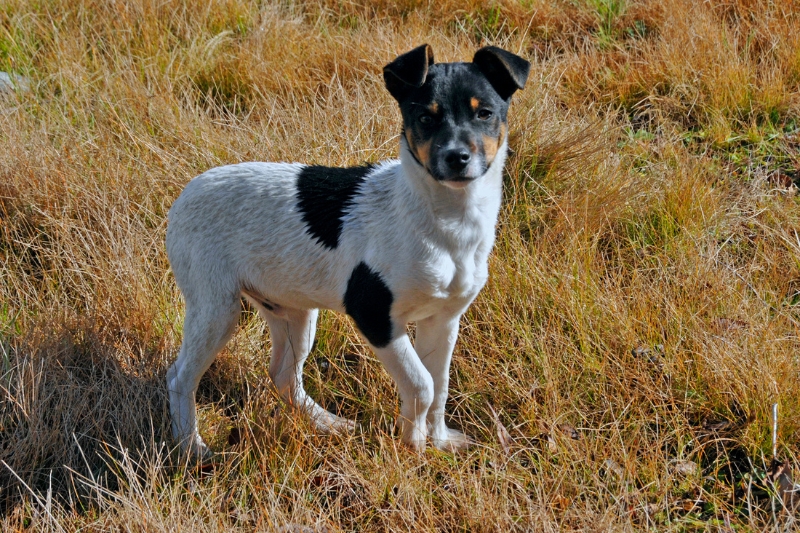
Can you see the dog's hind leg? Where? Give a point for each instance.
(292, 332)
(206, 330)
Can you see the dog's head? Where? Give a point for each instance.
(455, 114)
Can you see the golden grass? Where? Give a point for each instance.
(648, 206)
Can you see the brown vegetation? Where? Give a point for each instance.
(642, 314)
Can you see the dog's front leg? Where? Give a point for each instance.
(436, 338)
(415, 386)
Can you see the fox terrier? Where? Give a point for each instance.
(391, 243)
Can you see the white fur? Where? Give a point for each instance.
(235, 230)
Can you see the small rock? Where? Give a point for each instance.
(612, 467)
(684, 468)
(570, 431)
(12, 82)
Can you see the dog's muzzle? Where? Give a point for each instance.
(457, 167)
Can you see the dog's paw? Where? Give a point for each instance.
(414, 445)
(454, 441)
(196, 451)
(329, 423)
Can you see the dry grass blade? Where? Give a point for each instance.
(503, 436)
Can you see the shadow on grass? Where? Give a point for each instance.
(72, 402)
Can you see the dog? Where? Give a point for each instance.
(388, 244)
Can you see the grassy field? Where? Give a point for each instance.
(618, 370)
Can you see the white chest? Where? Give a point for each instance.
(447, 280)
(461, 276)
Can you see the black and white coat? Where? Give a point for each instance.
(386, 244)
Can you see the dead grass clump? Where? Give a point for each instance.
(67, 399)
(700, 70)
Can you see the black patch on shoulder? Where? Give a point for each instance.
(368, 300)
(324, 195)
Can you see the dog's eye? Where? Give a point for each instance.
(426, 119)
(484, 114)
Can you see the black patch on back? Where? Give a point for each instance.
(368, 300)
(324, 195)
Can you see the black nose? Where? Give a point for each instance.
(457, 158)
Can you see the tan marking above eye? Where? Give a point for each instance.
(474, 103)
(434, 107)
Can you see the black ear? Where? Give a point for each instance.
(408, 71)
(506, 72)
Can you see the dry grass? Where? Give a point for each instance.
(649, 204)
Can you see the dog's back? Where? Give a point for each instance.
(239, 226)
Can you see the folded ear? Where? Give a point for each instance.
(506, 72)
(408, 71)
